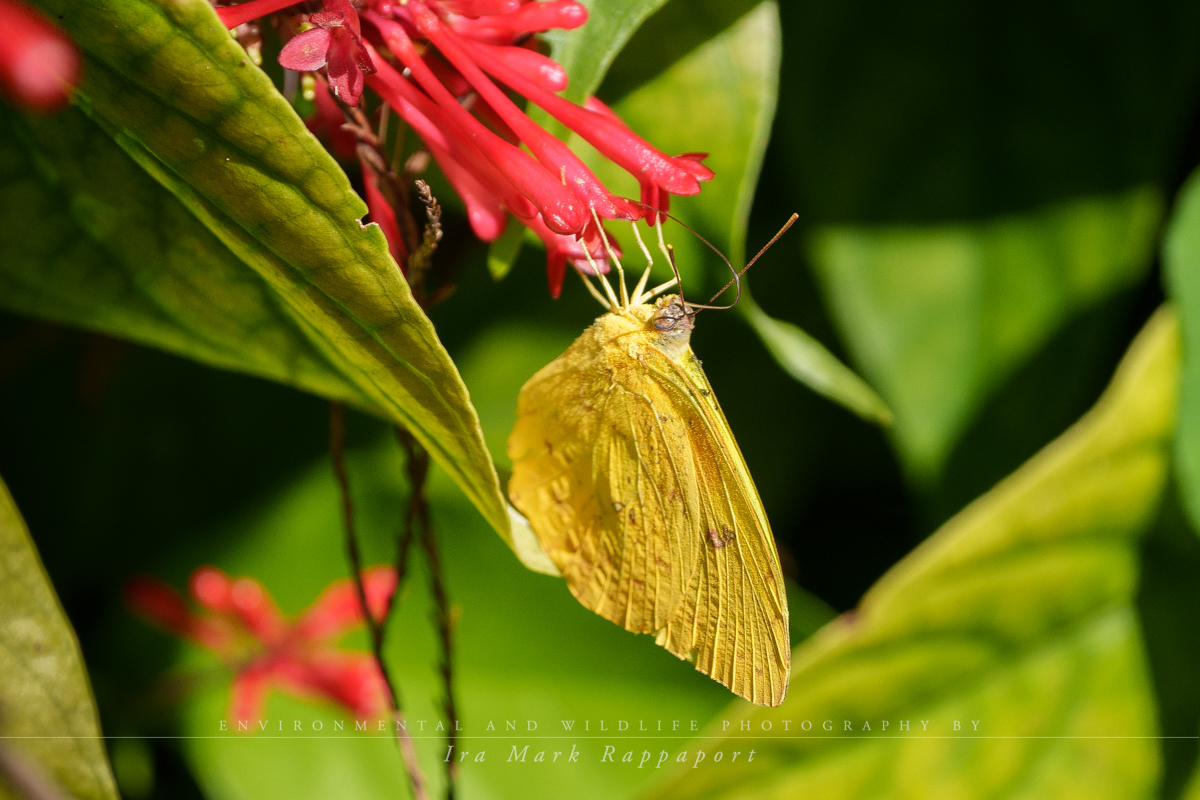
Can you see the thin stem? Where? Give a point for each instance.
(337, 446)
(418, 524)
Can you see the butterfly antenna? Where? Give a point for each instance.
(710, 245)
(791, 221)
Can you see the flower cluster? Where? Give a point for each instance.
(449, 69)
(38, 64)
(266, 650)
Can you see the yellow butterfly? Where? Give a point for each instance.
(628, 473)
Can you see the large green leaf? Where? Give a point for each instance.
(46, 703)
(1181, 265)
(181, 98)
(938, 316)
(586, 52)
(92, 240)
(1002, 658)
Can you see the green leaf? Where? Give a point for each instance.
(938, 316)
(46, 703)
(177, 94)
(1181, 266)
(1192, 790)
(503, 252)
(587, 51)
(809, 362)
(1017, 616)
(92, 240)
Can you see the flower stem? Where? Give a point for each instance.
(337, 442)
(418, 524)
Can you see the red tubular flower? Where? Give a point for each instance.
(232, 16)
(383, 214)
(268, 651)
(656, 172)
(38, 64)
(328, 122)
(454, 54)
(565, 14)
(437, 129)
(560, 208)
(550, 151)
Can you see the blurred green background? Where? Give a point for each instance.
(982, 191)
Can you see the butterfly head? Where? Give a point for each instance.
(671, 314)
(672, 322)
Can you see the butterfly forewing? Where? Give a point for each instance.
(599, 476)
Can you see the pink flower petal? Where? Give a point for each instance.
(248, 693)
(482, 8)
(339, 609)
(614, 140)
(257, 611)
(308, 51)
(484, 213)
(39, 65)
(345, 74)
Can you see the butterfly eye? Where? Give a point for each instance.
(672, 315)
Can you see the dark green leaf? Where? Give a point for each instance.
(503, 252)
(94, 241)
(46, 703)
(1015, 617)
(938, 316)
(177, 94)
(808, 361)
(1181, 266)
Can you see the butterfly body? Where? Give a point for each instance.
(626, 469)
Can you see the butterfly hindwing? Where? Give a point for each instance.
(733, 622)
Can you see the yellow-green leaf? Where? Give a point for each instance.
(938, 316)
(1181, 269)
(46, 704)
(1014, 622)
(181, 98)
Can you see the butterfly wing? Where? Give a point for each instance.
(605, 481)
(733, 621)
(624, 464)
